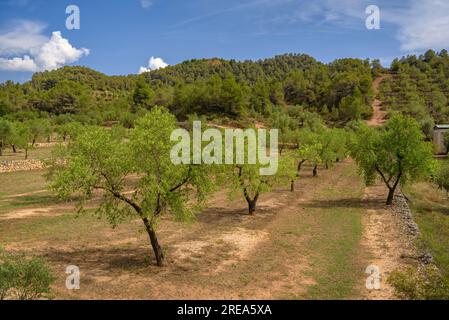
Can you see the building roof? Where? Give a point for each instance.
(441, 126)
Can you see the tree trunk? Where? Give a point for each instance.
(26, 153)
(390, 197)
(34, 141)
(14, 149)
(315, 170)
(292, 185)
(157, 249)
(252, 206)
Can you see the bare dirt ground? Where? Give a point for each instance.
(281, 252)
(384, 239)
(378, 117)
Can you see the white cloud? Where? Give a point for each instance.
(24, 36)
(424, 25)
(37, 52)
(18, 64)
(146, 3)
(153, 64)
(421, 24)
(57, 52)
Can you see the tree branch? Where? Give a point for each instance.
(186, 179)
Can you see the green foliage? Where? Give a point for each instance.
(214, 96)
(101, 159)
(396, 154)
(22, 137)
(419, 87)
(24, 278)
(441, 177)
(420, 284)
(142, 95)
(210, 87)
(309, 146)
(248, 180)
(5, 133)
(39, 128)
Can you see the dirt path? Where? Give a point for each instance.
(383, 237)
(384, 240)
(378, 117)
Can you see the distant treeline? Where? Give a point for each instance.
(339, 91)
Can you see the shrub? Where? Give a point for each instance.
(441, 178)
(420, 284)
(24, 278)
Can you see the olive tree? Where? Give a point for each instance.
(396, 153)
(100, 159)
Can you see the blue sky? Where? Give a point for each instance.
(120, 36)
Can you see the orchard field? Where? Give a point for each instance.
(331, 223)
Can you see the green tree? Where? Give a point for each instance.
(40, 128)
(249, 180)
(397, 154)
(21, 137)
(101, 159)
(309, 147)
(441, 177)
(5, 133)
(246, 178)
(281, 121)
(142, 95)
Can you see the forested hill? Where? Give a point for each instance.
(419, 87)
(340, 91)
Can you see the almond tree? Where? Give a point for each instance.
(396, 153)
(100, 159)
(248, 178)
(5, 133)
(309, 146)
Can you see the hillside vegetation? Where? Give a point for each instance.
(339, 91)
(419, 87)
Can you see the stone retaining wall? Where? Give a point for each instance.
(20, 165)
(402, 209)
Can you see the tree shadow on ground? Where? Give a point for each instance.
(107, 258)
(348, 203)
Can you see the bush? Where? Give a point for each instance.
(441, 177)
(420, 284)
(24, 278)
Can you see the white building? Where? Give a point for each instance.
(438, 138)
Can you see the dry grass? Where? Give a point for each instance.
(304, 244)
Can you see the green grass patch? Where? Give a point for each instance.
(12, 183)
(430, 208)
